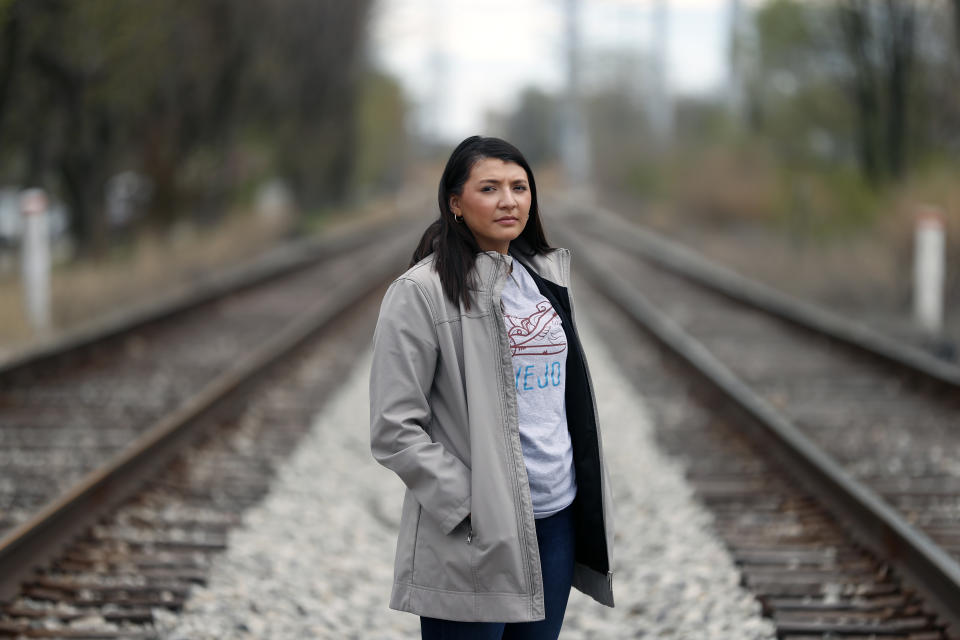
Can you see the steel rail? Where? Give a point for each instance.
(55, 525)
(872, 522)
(278, 262)
(674, 257)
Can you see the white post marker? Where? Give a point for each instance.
(928, 269)
(36, 257)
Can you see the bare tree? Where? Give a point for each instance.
(899, 48)
(856, 28)
(880, 42)
(88, 89)
(10, 50)
(956, 23)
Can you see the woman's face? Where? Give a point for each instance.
(495, 203)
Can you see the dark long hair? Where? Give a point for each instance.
(452, 241)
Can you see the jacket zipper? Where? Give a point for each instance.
(518, 492)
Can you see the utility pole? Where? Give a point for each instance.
(437, 68)
(736, 82)
(574, 143)
(661, 105)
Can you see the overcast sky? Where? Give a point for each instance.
(457, 59)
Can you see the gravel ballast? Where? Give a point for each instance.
(315, 558)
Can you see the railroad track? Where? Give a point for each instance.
(795, 549)
(128, 450)
(828, 454)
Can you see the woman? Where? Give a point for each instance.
(480, 400)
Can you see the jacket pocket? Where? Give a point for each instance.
(444, 561)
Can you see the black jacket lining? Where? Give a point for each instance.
(591, 543)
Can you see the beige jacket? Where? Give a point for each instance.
(443, 417)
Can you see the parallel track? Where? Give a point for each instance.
(867, 441)
(688, 264)
(828, 529)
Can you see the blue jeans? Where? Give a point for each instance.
(555, 537)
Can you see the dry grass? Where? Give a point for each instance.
(153, 263)
(720, 188)
(861, 268)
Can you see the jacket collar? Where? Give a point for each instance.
(553, 265)
(491, 267)
(490, 270)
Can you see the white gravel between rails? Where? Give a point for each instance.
(315, 558)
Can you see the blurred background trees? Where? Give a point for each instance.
(181, 108)
(831, 112)
(162, 111)
(835, 120)
(837, 123)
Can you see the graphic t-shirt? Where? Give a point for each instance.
(539, 348)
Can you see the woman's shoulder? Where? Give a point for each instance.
(420, 280)
(423, 272)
